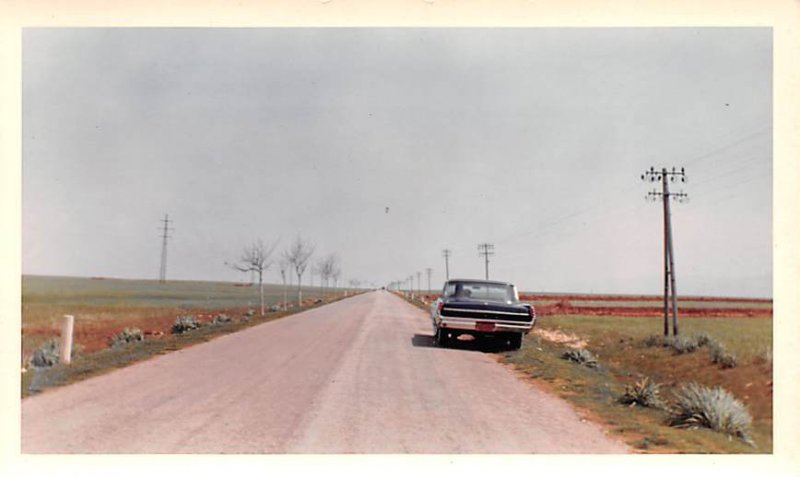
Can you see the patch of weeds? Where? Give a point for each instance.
(644, 393)
(764, 357)
(222, 319)
(712, 408)
(128, 335)
(680, 344)
(581, 356)
(704, 339)
(683, 344)
(720, 356)
(649, 442)
(655, 340)
(185, 323)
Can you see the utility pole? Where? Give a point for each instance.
(486, 250)
(665, 195)
(419, 283)
(429, 270)
(446, 253)
(162, 274)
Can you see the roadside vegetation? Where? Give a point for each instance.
(120, 322)
(708, 390)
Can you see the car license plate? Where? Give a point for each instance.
(482, 326)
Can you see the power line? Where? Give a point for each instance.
(162, 274)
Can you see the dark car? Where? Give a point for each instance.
(482, 309)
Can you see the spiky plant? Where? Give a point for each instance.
(713, 408)
(128, 335)
(580, 356)
(720, 356)
(185, 323)
(46, 355)
(644, 393)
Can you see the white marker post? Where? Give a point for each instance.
(66, 339)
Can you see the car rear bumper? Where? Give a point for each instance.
(483, 326)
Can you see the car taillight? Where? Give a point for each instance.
(532, 312)
(439, 308)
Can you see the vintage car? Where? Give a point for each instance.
(482, 309)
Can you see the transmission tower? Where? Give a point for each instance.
(665, 195)
(165, 230)
(486, 250)
(446, 255)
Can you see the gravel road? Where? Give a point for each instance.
(358, 376)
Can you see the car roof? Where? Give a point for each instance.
(476, 280)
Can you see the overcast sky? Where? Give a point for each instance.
(530, 139)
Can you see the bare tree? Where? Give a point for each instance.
(283, 265)
(327, 269)
(255, 259)
(337, 272)
(298, 255)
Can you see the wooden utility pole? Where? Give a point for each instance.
(446, 253)
(429, 270)
(486, 250)
(669, 255)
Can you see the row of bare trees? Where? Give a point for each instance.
(256, 259)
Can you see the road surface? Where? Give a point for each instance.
(357, 376)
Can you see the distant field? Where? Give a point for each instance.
(643, 306)
(103, 307)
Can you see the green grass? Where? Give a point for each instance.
(745, 337)
(118, 293)
(618, 344)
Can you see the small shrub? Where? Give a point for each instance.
(128, 335)
(221, 319)
(680, 344)
(184, 323)
(655, 340)
(47, 355)
(580, 356)
(644, 393)
(683, 344)
(720, 356)
(704, 339)
(716, 409)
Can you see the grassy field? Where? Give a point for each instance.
(104, 307)
(619, 344)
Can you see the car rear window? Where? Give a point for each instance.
(481, 291)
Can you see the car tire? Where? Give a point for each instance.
(515, 341)
(440, 338)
